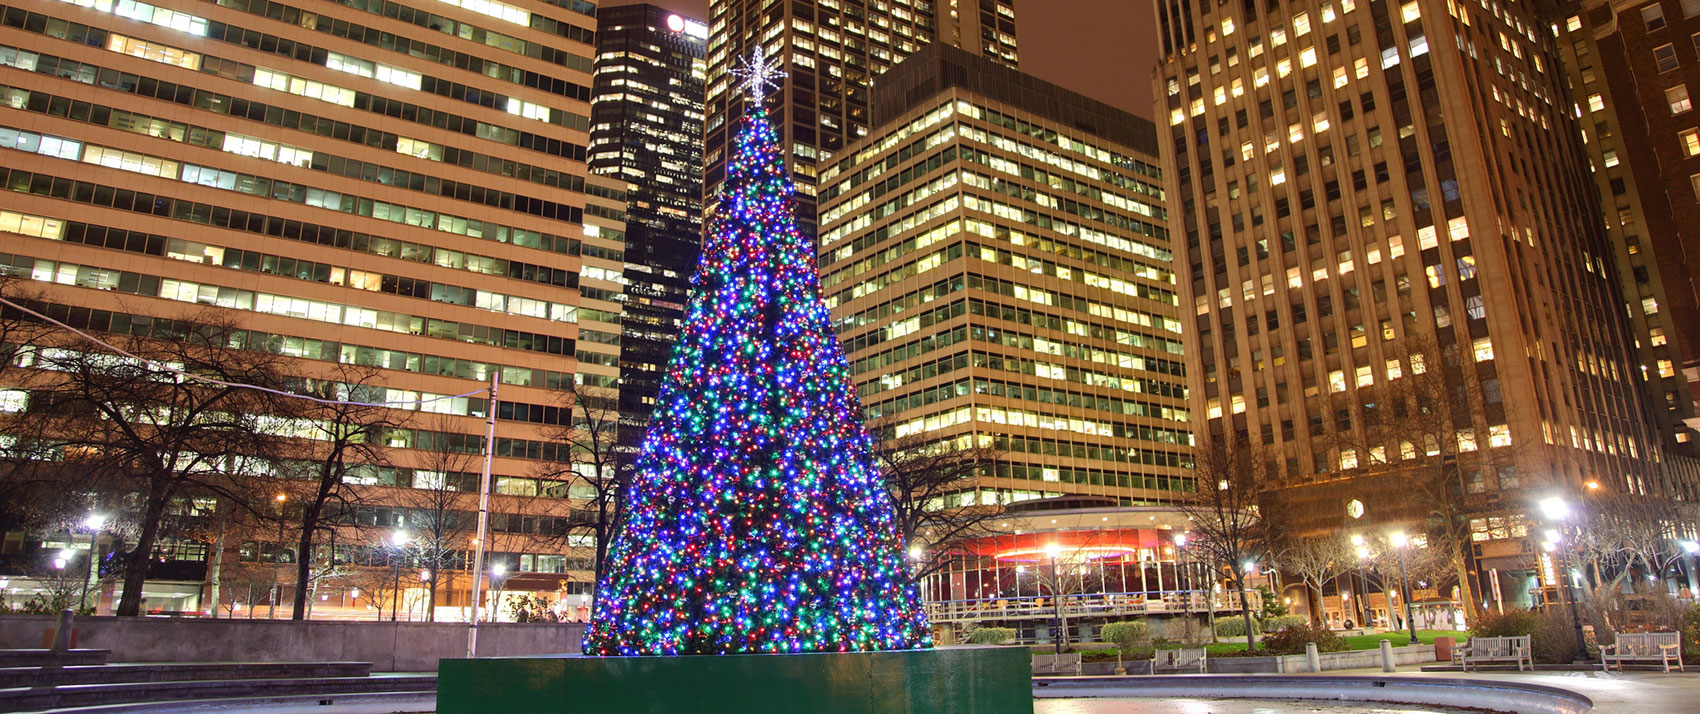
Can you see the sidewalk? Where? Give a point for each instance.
(1612, 692)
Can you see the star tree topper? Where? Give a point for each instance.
(758, 73)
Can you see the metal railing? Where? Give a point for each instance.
(1085, 605)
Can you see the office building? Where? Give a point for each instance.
(998, 268)
(833, 50)
(646, 130)
(394, 184)
(1630, 67)
(1371, 195)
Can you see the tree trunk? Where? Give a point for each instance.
(136, 567)
(303, 559)
(215, 565)
(1245, 611)
(1466, 592)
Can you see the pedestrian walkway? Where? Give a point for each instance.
(1612, 692)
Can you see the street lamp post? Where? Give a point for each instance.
(1400, 540)
(1557, 511)
(398, 540)
(430, 602)
(1363, 582)
(1052, 550)
(94, 523)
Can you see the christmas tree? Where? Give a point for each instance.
(757, 521)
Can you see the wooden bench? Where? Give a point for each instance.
(1487, 650)
(1177, 660)
(1661, 648)
(1056, 663)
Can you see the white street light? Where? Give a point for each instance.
(1554, 508)
(94, 521)
(399, 538)
(916, 553)
(1398, 539)
(1553, 535)
(1690, 547)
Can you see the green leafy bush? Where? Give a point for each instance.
(1126, 634)
(1232, 626)
(1272, 606)
(991, 635)
(1281, 622)
(1691, 633)
(1291, 640)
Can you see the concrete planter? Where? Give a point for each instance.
(388, 646)
(1331, 661)
(953, 680)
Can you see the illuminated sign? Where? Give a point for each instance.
(687, 26)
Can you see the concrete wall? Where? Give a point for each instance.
(390, 647)
(1331, 661)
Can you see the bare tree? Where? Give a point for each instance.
(174, 424)
(1416, 430)
(1224, 518)
(922, 477)
(343, 433)
(441, 507)
(597, 468)
(1317, 560)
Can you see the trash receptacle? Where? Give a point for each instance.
(1443, 649)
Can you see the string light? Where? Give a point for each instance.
(757, 521)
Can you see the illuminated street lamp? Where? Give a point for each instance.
(1400, 541)
(94, 522)
(1557, 512)
(398, 541)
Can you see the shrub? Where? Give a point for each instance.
(1124, 635)
(1552, 636)
(1511, 623)
(991, 635)
(1291, 640)
(1691, 632)
(1272, 606)
(1233, 626)
(1281, 622)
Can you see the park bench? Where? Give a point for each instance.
(1488, 650)
(1056, 663)
(1661, 648)
(1177, 660)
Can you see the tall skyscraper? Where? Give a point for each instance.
(998, 267)
(1631, 67)
(646, 130)
(833, 50)
(400, 185)
(1371, 194)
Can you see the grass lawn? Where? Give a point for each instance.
(1399, 639)
(1356, 642)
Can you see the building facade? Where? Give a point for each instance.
(1385, 219)
(646, 130)
(833, 50)
(1630, 67)
(999, 277)
(390, 184)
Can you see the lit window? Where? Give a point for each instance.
(1690, 139)
(1307, 58)
(1301, 24)
(1573, 24)
(1611, 158)
(1284, 68)
(1394, 369)
(1596, 103)
(1483, 349)
(1337, 381)
(1277, 177)
(1649, 306)
(1365, 376)
(1389, 57)
(1458, 228)
(1409, 11)
(1677, 98)
(1419, 45)
(1348, 458)
(37, 226)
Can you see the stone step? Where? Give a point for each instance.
(420, 702)
(176, 672)
(40, 658)
(35, 699)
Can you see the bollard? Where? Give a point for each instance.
(1387, 656)
(1312, 658)
(62, 636)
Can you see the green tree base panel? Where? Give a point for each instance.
(957, 680)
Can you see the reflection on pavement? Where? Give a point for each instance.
(1216, 706)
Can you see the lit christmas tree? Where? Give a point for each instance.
(757, 521)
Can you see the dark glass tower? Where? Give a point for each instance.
(646, 129)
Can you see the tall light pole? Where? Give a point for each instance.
(398, 541)
(94, 522)
(1363, 581)
(1400, 541)
(1052, 550)
(1556, 512)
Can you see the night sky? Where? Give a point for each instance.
(1101, 48)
